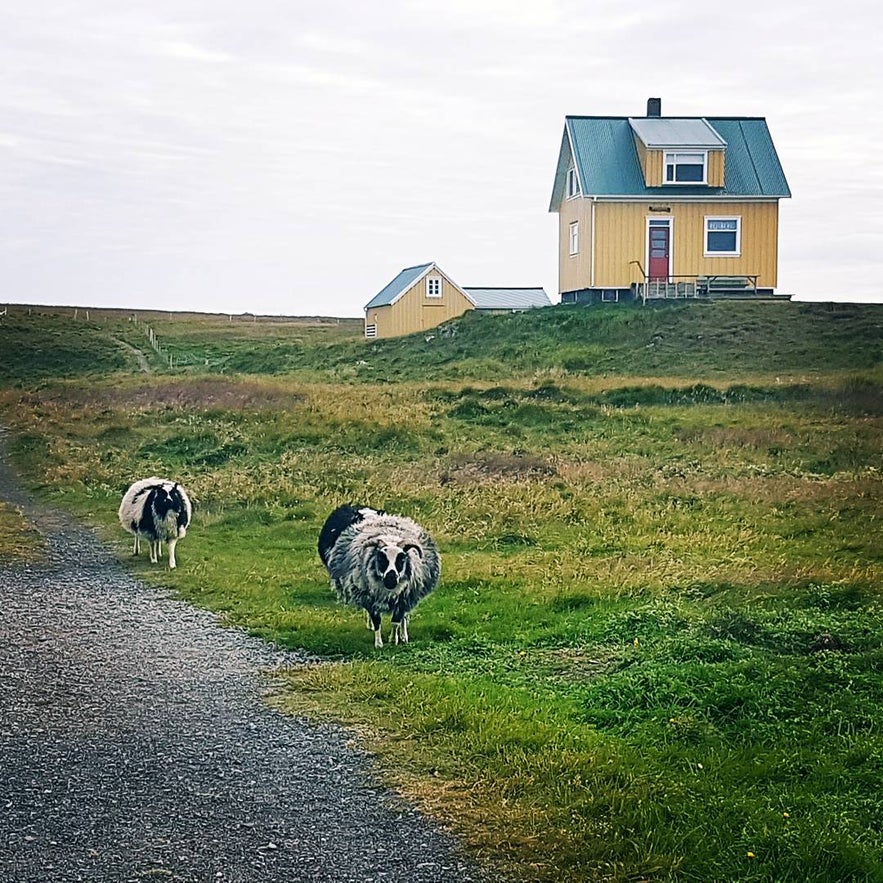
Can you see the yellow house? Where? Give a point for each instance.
(424, 297)
(660, 206)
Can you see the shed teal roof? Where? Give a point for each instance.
(606, 160)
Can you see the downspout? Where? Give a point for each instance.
(592, 266)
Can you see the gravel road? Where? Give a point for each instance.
(134, 743)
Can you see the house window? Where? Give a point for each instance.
(574, 237)
(433, 286)
(723, 237)
(572, 183)
(685, 168)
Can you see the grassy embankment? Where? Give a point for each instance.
(655, 652)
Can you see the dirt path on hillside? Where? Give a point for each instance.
(143, 363)
(134, 743)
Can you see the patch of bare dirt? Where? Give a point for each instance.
(495, 466)
(202, 394)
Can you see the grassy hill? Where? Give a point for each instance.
(655, 651)
(726, 339)
(721, 338)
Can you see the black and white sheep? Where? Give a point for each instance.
(158, 510)
(380, 562)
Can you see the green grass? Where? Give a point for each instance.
(18, 540)
(39, 347)
(712, 340)
(655, 650)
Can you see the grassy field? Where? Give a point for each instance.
(655, 653)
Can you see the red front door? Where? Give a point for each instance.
(660, 248)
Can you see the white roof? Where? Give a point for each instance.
(658, 132)
(508, 298)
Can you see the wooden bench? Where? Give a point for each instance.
(726, 284)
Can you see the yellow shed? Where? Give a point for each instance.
(419, 298)
(424, 297)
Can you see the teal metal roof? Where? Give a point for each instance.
(508, 298)
(606, 160)
(395, 289)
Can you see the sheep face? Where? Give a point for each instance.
(390, 565)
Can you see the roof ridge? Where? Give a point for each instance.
(417, 266)
(579, 116)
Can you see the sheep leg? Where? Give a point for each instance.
(400, 623)
(172, 543)
(400, 631)
(368, 624)
(154, 551)
(136, 549)
(375, 625)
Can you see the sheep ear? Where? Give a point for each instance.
(408, 546)
(370, 548)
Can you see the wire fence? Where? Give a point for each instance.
(174, 360)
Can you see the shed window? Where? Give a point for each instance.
(574, 237)
(685, 168)
(723, 237)
(433, 286)
(572, 183)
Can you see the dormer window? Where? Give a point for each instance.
(572, 183)
(433, 286)
(686, 168)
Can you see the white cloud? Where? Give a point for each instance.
(189, 52)
(505, 14)
(221, 156)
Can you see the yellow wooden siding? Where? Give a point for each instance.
(715, 170)
(574, 270)
(642, 155)
(621, 238)
(653, 168)
(414, 311)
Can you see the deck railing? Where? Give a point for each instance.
(693, 285)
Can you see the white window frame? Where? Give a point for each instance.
(671, 159)
(573, 242)
(433, 287)
(722, 254)
(572, 183)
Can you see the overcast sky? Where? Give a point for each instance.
(278, 156)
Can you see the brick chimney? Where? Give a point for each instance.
(654, 107)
